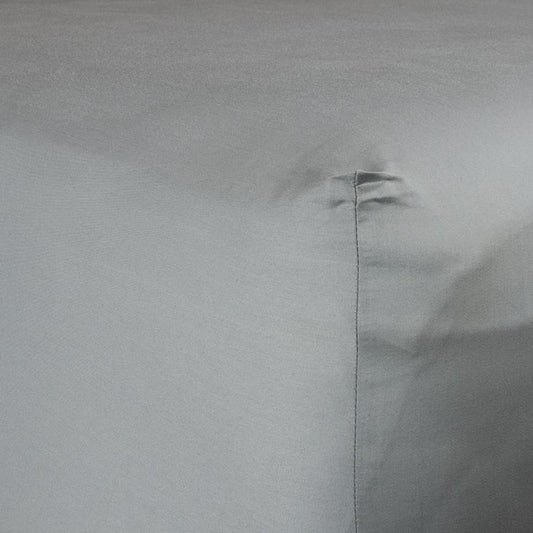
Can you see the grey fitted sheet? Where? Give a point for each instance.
(266, 266)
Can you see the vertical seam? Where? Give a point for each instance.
(356, 362)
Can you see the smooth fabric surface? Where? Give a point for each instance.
(266, 266)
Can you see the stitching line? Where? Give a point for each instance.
(356, 222)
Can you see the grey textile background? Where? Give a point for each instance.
(211, 322)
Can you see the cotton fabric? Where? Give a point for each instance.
(266, 266)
